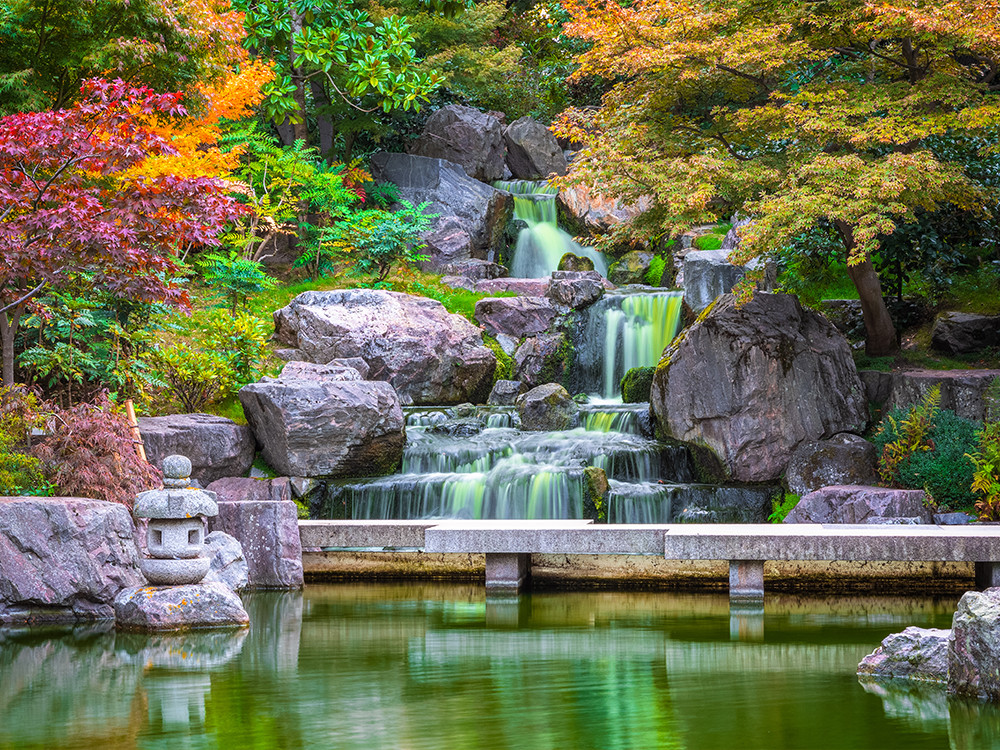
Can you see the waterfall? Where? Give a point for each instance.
(542, 244)
(623, 331)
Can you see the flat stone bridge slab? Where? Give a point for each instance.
(508, 545)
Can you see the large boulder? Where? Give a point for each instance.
(325, 426)
(843, 459)
(199, 605)
(751, 383)
(576, 289)
(532, 151)
(217, 447)
(238, 489)
(473, 218)
(914, 654)
(516, 316)
(547, 408)
(525, 287)
(228, 564)
(64, 558)
(962, 391)
(430, 356)
(463, 135)
(860, 504)
(268, 531)
(964, 333)
(708, 274)
(586, 211)
(974, 647)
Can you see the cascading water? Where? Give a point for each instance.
(622, 331)
(542, 244)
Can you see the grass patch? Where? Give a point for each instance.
(922, 359)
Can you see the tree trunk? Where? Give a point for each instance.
(880, 333)
(8, 327)
(300, 129)
(323, 122)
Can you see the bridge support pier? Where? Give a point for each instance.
(507, 574)
(746, 580)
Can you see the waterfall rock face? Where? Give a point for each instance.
(753, 383)
(467, 137)
(914, 654)
(974, 647)
(532, 151)
(843, 459)
(576, 289)
(585, 211)
(473, 218)
(707, 274)
(217, 447)
(64, 558)
(430, 356)
(325, 426)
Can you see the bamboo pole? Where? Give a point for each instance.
(130, 412)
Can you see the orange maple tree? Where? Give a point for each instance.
(844, 113)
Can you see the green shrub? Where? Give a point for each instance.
(242, 340)
(943, 468)
(234, 278)
(20, 473)
(195, 376)
(708, 242)
(781, 506)
(636, 384)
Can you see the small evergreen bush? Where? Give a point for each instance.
(941, 467)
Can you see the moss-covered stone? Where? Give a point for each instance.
(594, 503)
(636, 384)
(572, 262)
(505, 363)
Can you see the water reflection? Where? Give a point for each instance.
(434, 666)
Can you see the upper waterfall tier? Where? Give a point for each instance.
(542, 244)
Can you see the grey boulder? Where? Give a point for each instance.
(238, 489)
(860, 504)
(473, 218)
(268, 532)
(504, 393)
(228, 565)
(752, 383)
(964, 333)
(914, 654)
(311, 424)
(974, 647)
(532, 151)
(541, 359)
(707, 275)
(516, 316)
(962, 391)
(842, 459)
(430, 356)
(467, 137)
(217, 447)
(199, 605)
(631, 268)
(576, 289)
(64, 559)
(548, 407)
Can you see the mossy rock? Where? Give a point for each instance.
(572, 262)
(636, 384)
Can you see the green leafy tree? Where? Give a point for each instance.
(792, 112)
(234, 278)
(335, 63)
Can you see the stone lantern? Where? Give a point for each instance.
(175, 536)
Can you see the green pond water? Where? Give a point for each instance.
(439, 666)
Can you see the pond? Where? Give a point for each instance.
(439, 666)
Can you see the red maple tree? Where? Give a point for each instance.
(75, 209)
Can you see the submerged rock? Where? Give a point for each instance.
(974, 647)
(914, 654)
(64, 558)
(430, 356)
(844, 459)
(861, 504)
(548, 408)
(752, 383)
